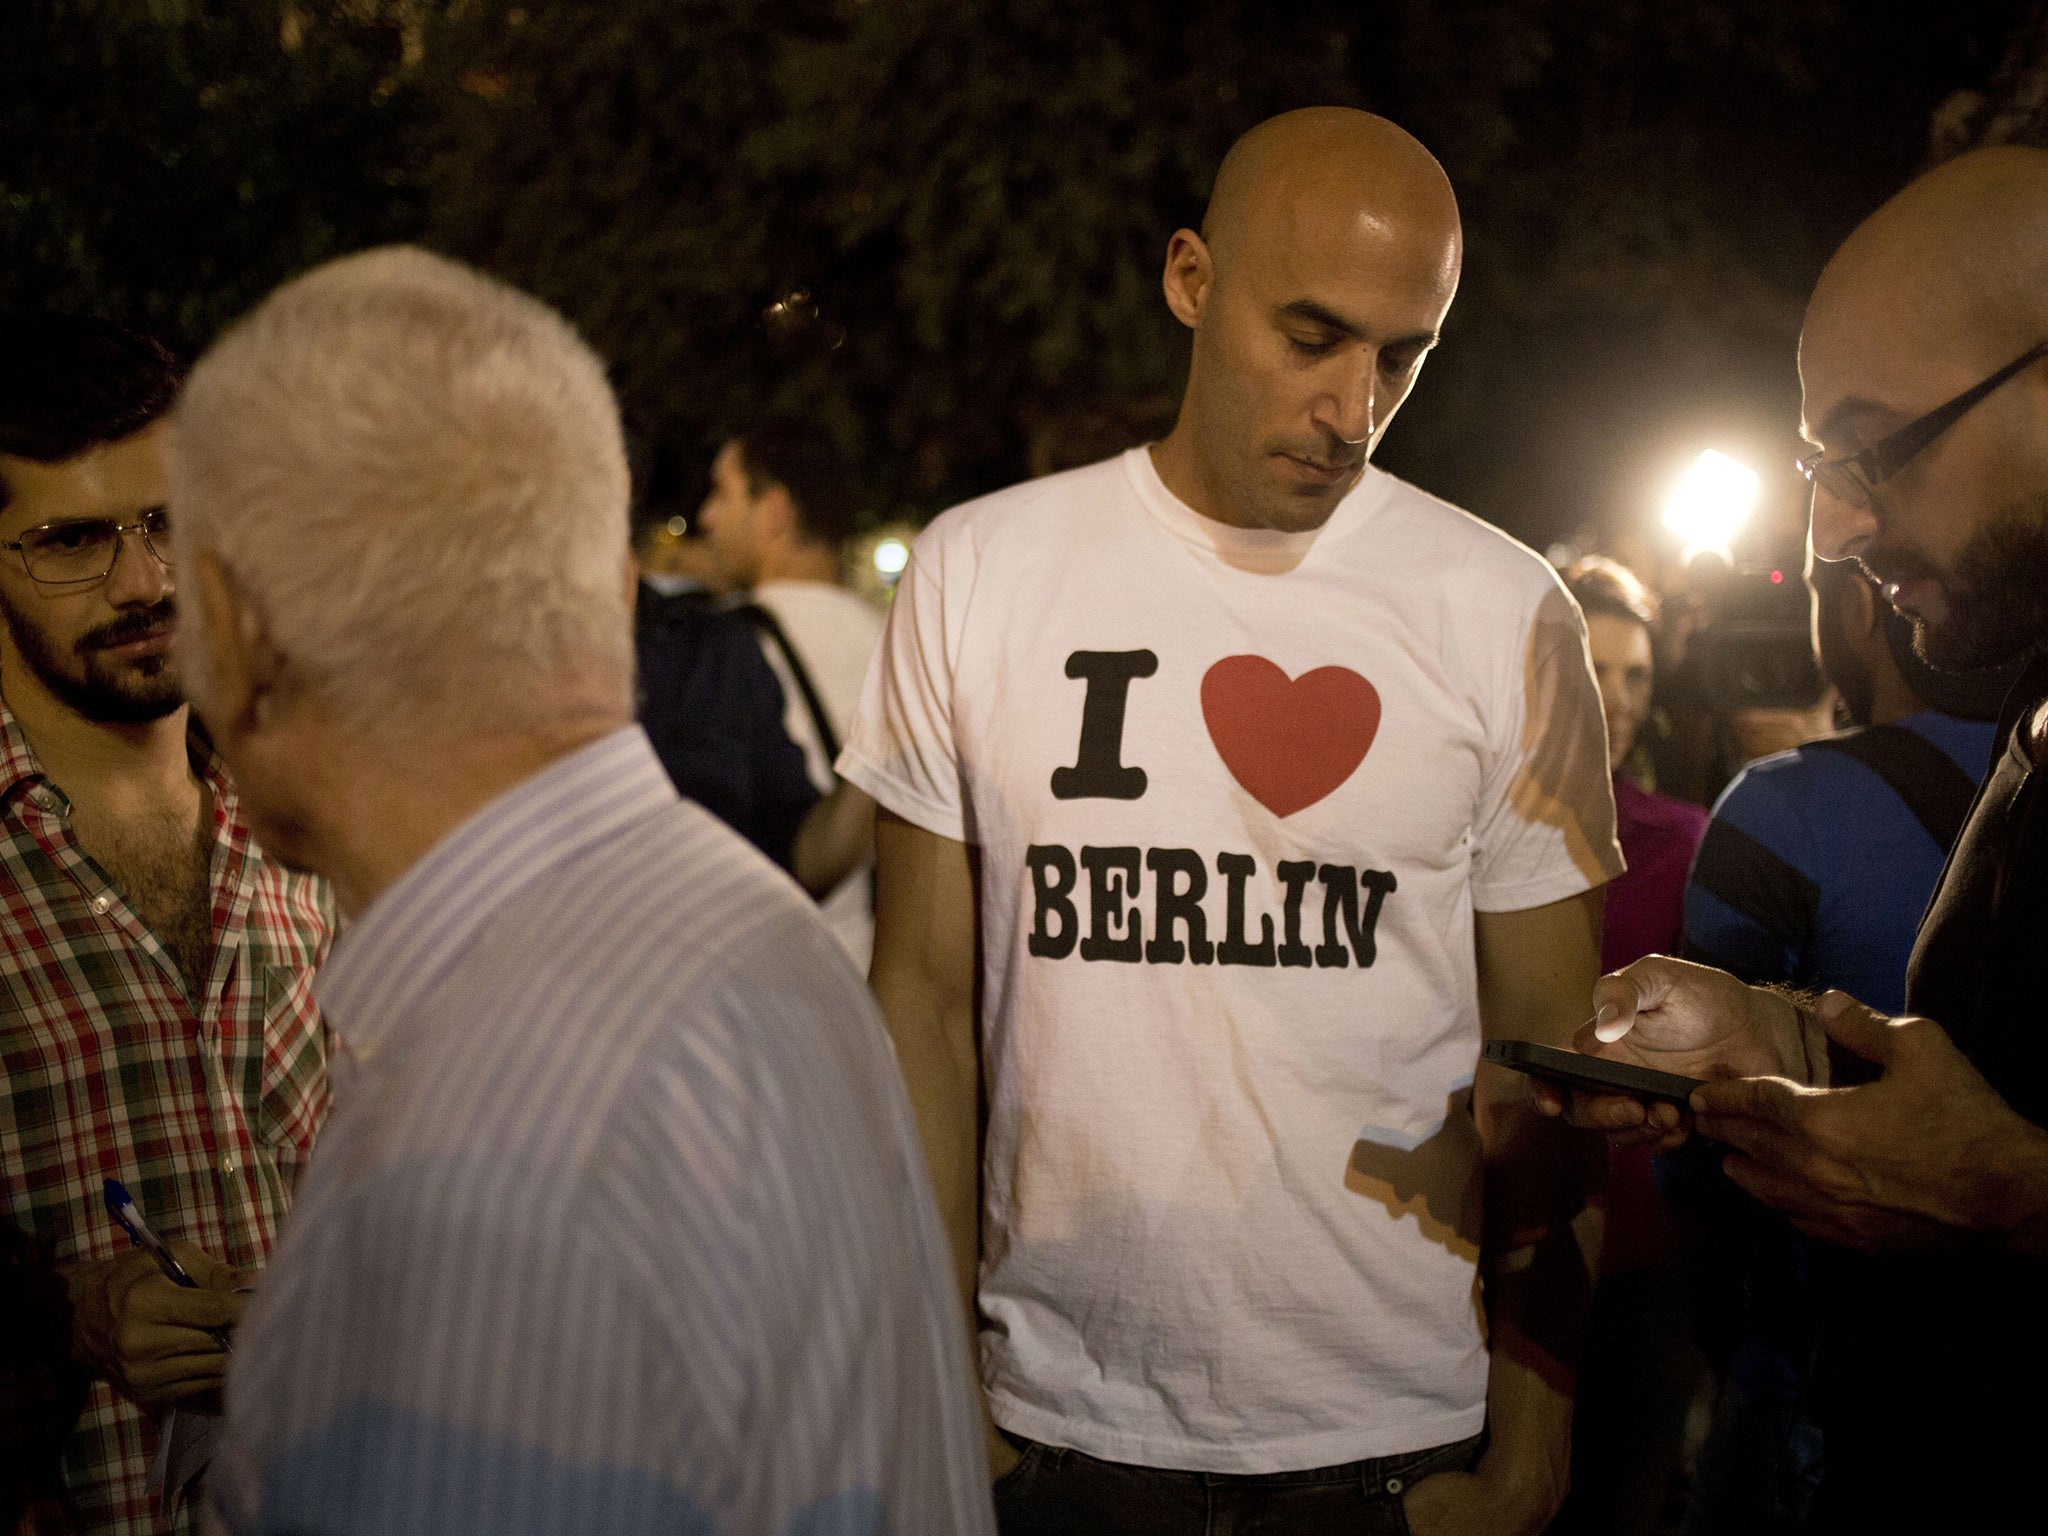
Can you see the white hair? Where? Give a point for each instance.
(415, 477)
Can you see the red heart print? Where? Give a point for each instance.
(1289, 742)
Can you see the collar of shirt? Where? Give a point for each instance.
(18, 762)
(19, 768)
(18, 758)
(405, 940)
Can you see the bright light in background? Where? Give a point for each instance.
(1713, 500)
(877, 560)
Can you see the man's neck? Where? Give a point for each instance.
(1181, 469)
(801, 562)
(1891, 700)
(115, 768)
(1185, 471)
(367, 815)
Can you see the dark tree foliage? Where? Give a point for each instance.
(937, 224)
(166, 162)
(971, 199)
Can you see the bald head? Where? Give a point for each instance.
(1954, 266)
(1325, 164)
(1318, 283)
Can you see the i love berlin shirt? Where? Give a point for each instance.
(1238, 795)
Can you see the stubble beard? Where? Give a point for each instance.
(86, 681)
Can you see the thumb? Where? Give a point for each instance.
(211, 1273)
(1856, 1027)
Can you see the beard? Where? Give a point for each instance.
(105, 692)
(1996, 591)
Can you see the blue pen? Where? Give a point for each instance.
(121, 1205)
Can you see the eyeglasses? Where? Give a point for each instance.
(1853, 477)
(81, 550)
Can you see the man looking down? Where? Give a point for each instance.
(1232, 789)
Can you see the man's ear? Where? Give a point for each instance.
(243, 664)
(775, 519)
(1190, 272)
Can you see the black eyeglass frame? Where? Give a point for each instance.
(1854, 476)
(139, 526)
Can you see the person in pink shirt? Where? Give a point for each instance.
(1637, 1373)
(1646, 905)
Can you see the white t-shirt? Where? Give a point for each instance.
(1230, 1176)
(835, 632)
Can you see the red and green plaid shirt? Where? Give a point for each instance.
(206, 1109)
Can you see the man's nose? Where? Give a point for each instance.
(138, 577)
(1841, 529)
(1348, 412)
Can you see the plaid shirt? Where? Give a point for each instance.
(205, 1109)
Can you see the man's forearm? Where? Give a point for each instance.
(1538, 1258)
(1540, 1249)
(834, 836)
(1540, 1245)
(944, 1086)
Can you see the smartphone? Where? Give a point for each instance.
(1575, 1069)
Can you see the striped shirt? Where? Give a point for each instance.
(204, 1102)
(621, 1223)
(1815, 868)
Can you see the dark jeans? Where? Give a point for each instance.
(1057, 1492)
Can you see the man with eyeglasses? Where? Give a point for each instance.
(156, 1018)
(1917, 1141)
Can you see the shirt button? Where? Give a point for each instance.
(228, 1163)
(100, 904)
(43, 796)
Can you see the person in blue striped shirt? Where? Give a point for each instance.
(620, 1223)
(1814, 872)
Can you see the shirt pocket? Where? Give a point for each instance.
(296, 1042)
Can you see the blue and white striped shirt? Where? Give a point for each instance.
(620, 1223)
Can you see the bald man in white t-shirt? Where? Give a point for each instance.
(1232, 792)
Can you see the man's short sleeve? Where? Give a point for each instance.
(902, 748)
(1545, 824)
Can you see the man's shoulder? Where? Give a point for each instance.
(669, 937)
(681, 854)
(709, 909)
(690, 954)
(1817, 774)
(1419, 525)
(819, 612)
(1023, 509)
(1455, 558)
(689, 616)
(1809, 793)
(687, 642)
